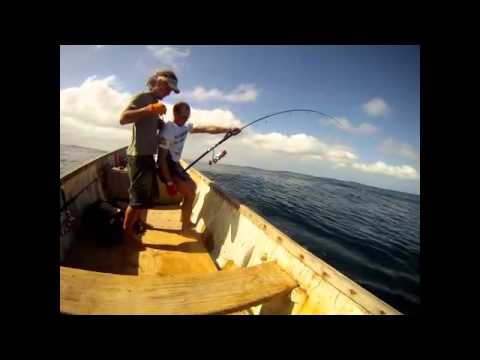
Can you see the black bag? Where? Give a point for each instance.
(105, 223)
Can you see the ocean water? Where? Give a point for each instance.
(73, 156)
(371, 235)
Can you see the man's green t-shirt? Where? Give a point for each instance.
(144, 132)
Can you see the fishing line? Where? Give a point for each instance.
(229, 134)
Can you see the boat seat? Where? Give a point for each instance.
(222, 292)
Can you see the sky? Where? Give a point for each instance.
(373, 92)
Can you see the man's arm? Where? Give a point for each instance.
(129, 116)
(214, 130)
(132, 116)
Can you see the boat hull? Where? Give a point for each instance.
(235, 237)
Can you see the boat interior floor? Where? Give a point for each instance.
(165, 250)
(172, 272)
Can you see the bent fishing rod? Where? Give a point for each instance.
(229, 134)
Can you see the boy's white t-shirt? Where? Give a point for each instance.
(172, 137)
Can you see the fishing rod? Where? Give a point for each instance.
(229, 134)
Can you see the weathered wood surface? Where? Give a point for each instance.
(87, 292)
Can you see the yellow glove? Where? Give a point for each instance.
(157, 108)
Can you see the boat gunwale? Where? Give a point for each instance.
(313, 262)
(84, 166)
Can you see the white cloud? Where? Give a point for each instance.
(242, 93)
(345, 125)
(376, 107)
(305, 146)
(95, 101)
(299, 144)
(216, 117)
(89, 116)
(340, 157)
(90, 113)
(379, 167)
(391, 147)
(168, 55)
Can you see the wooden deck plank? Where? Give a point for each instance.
(173, 253)
(241, 312)
(164, 217)
(87, 292)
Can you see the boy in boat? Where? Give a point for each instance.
(144, 113)
(171, 140)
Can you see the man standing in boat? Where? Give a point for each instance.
(144, 113)
(171, 140)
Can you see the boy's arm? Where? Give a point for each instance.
(214, 130)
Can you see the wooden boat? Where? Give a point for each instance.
(235, 262)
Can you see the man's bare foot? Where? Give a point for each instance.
(140, 227)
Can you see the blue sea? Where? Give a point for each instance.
(371, 235)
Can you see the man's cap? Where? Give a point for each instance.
(172, 82)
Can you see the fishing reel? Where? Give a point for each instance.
(217, 157)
